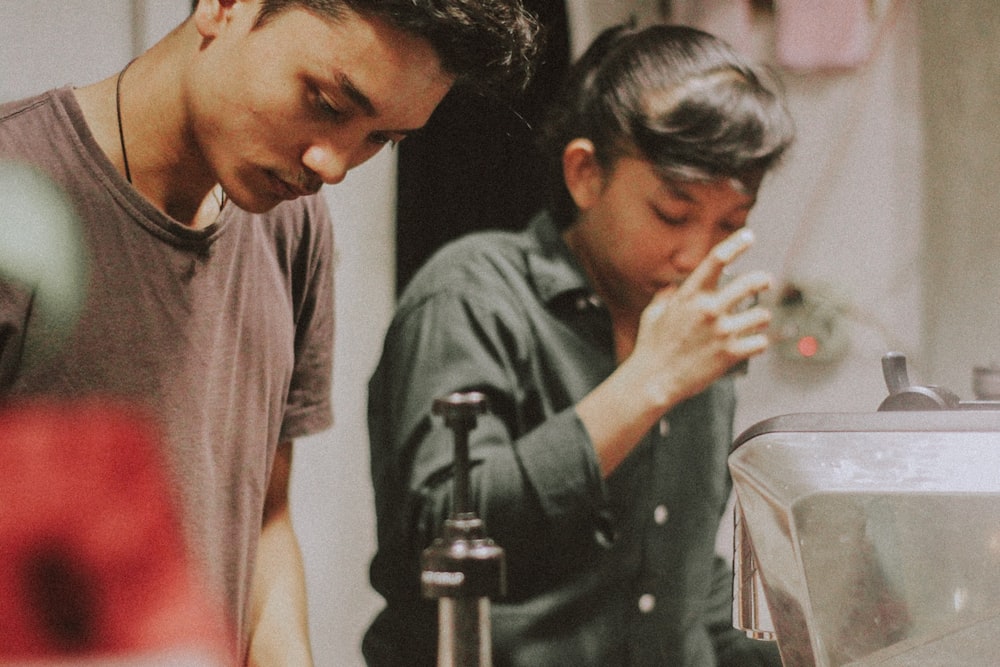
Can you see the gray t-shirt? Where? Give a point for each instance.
(224, 333)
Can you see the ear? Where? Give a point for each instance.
(583, 175)
(210, 15)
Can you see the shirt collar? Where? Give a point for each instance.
(554, 269)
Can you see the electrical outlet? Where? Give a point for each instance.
(809, 324)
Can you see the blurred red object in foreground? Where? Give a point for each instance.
(92, 559)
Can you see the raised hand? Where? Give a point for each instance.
(691, 335)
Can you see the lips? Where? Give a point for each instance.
(300, 191)
(286, 190)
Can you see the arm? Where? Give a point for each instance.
(533, 468)
(279, 629)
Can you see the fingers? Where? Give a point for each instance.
(733, 246)
(738, 295)
(747, 346)
(722, 321)
(744, 323)
(744, 329)
(745, 336)
(745, 288)
(708, 271)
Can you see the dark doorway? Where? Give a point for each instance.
(474, 166)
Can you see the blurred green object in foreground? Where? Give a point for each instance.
(41, 249)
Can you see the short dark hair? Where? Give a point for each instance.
(488, 44)
(673, 95)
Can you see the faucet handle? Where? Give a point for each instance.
(904, 396)
(894, 371)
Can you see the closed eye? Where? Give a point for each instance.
(671, 220)
(328, 108)
(339, 115)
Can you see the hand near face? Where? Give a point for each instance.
(691, 335)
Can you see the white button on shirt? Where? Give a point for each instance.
(661, 514)
(586, 302)
(647, 601)
(664, 427)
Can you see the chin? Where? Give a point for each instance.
(257, 203)
(260, 206)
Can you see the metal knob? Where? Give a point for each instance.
(461, 412)
(463, 567)
(904, 396)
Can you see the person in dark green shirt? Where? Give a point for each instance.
(603, 336)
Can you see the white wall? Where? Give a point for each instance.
(37, 55)
(961, 62)
(332, 502)
(587, 17)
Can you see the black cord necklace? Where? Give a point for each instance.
(220, 200)
(118, 109)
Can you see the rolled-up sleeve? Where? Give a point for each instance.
(534, 475)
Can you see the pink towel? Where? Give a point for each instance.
(823, 34)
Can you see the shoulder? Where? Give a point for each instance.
(482, 266)
(474, 294)
(475, 260)
(24, 123)
(17, 108)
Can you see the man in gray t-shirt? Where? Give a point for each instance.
(208, 300)
(224, 333)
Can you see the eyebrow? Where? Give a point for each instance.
(356, 96)
(678, 191)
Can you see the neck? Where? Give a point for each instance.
(624, 319)
(152, 147)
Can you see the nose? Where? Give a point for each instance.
(331, 157)
(696, 243)
(330, 163)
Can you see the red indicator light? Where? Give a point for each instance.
(808, 346)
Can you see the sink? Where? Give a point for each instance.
(874, 538)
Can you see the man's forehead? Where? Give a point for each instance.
(375, 64)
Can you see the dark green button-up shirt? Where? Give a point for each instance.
(601, 573)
